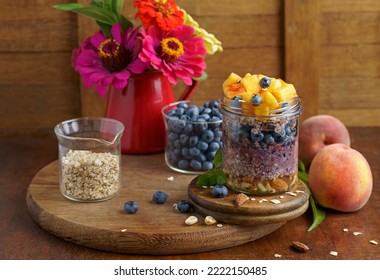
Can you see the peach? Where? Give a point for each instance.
(319, 131)
(340, 178)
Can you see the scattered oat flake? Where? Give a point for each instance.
(219, 225)
(357, 233)
(281, 196)
(205, 187)
(123, 230)
(171, 178)
(299, 191)
(275, 201)
(334, 253)
(253, 199)
(277, 255)
(291, 193)
(263, 200)
(345, 229)
(374, 242)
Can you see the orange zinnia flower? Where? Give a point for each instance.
(162, 13)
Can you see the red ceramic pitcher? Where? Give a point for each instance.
(138, 106)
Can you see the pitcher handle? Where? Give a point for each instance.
(189, 90)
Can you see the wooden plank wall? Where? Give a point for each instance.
(38, 87)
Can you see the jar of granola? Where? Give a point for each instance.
(89, 158)
(260, 135)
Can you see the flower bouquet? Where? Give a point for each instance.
(135, 67)
(169, 41)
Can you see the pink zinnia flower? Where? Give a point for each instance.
(104, 61)
(177, 53)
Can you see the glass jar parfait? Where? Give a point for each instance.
(260, 152)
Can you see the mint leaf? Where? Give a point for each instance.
(218, 159)
(211, 178)
(319, 214)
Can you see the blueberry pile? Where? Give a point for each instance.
(194, 135)
(270, 134)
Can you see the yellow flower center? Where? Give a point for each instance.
(164, 8)
(172, 48)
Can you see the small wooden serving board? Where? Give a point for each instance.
(154, 229)
(256, 210)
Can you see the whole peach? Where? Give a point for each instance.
(340, 178)
(319, 131)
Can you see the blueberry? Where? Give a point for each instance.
(200, 126)
(258, 137)
(193, 140)
(207, 136)
(219, 191)
(185, 151)
(256, 100)
(172, 136)
(183, 164)
(188, 130)
(213, 147)
(210, 155)
(235, 102)
(288, 130)
(184, 139)
(218, 132)
(131, 207)
(180, 112)
(192, 111)
(214, 104)
(182, 105)
(201, 158)
(184, 206)
(285, 105)
(207, 111)
(202, 145)
(160, 197)
(214, 122)
(195, 164)
(265, 82)
(268, 139)
(204, 116)
(194, 151)
(207, 165)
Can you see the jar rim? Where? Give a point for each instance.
(295, 108)
(175, 104)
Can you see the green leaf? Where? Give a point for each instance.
(68, 7)
(218, 159)
(125, 23)
(202, 78)
(97, 13)
(211, 178)
(106, 28)
(319, 214)
(301, 166)
(117, 7)
(303, 177)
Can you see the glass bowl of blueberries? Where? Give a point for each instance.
(193, 135)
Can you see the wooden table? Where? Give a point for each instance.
(21, 157)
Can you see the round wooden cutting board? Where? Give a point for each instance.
(155, 229)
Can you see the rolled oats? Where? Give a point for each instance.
(87, 175)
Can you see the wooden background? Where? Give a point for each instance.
(329, 50)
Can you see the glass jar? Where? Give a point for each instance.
(89, 158)
(193, 135)
(260, 153)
